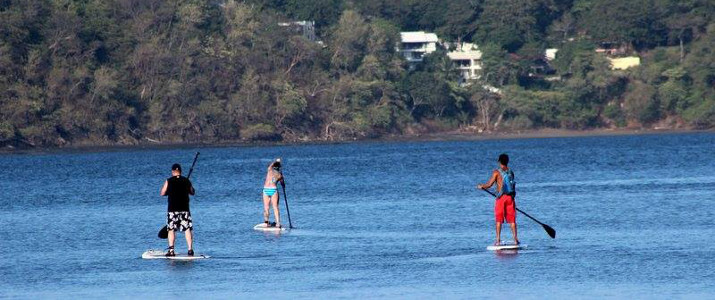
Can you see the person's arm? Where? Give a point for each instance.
(163, 189)
(281, 179)
(191, 189)
(489, 183)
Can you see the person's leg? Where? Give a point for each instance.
(513, 233)
(276, 211)
(499, 217)
(189, 239)
(171, 239)
(498, 241)
(510, 211)
(266, 203)
(171, 234)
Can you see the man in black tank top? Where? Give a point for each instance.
(178, 216)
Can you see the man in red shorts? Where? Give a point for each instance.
(504, 208)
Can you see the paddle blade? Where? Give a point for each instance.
(550, 231)
(164, 233)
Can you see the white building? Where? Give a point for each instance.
(415, 44)
(467, 59)
(307, 28)
(550, 54)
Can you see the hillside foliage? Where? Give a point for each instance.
(106, 72)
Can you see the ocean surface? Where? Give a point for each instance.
(634, 218)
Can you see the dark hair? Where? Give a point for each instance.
(503, 159)
(176, 167)
(276, 165)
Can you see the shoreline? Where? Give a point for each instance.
(539, 133)
(427, 137)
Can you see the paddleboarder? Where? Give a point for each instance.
(270, 192)
(178, 216)
(504, 207)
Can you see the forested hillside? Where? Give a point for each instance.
(105, 72)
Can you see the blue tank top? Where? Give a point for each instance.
(508, 185)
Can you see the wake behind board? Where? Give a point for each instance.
(506, 247)
(161, 254)
(265, 227)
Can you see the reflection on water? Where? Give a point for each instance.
(180, 265)
(506, 254)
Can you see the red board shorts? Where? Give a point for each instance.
(504, 209)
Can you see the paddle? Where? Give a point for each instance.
(549, 230)
(285, 198)
(164, 232)
(290, 224)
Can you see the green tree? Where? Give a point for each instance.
(512, 23)
(347, 42)
(290, 106)
(429, 96)
(323, 12)
(497, 66)
(641, 103)
(638, 22)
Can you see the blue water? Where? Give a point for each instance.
(634, 218)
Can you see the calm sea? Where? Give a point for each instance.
(634, 217)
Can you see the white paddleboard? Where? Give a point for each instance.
(264, 227)
(159, 254)
(504, 246)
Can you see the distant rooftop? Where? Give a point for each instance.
(418, 37)
(550, 53)
(465, 51)
(624, 62)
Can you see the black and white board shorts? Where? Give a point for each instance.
(179, 220)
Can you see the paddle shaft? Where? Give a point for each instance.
(285, 198)
(548, 228)
(193, 164)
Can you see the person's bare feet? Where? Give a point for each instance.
(497, 243)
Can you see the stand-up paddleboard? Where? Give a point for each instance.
(159, 254)
(265, 227)
(506, 246)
